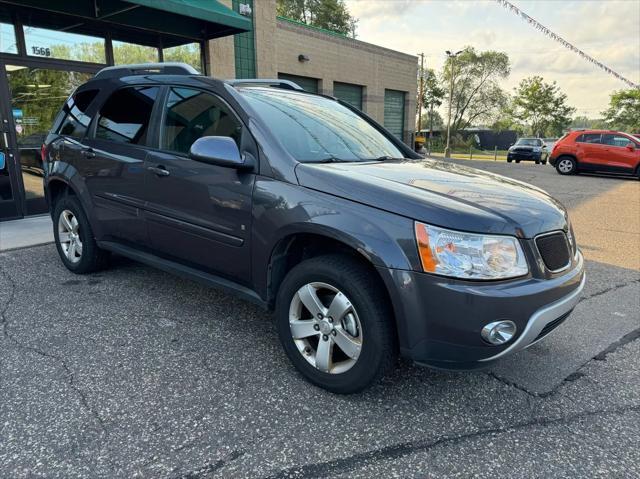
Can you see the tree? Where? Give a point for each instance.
(585, 122)
(542, 107)
(432, 96)
(428, 120)
(477, 96)
(328, 14)
(624, 110)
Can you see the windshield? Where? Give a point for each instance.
(528, 142)
(316, 129)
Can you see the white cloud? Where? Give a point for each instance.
(607, 30)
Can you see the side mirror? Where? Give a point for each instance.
(631, 146)
(218, 150)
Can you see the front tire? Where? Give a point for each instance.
(335, 323)
(566, 165)
(74, 238)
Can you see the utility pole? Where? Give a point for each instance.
(421, 94)
(452, 56)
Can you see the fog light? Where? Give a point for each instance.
(499, 332)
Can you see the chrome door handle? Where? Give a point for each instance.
(159, 170)
(89, 153)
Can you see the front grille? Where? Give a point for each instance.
(554, 250)
(550, 326)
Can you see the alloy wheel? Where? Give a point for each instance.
(69, 236)
(565, 166)
(325, 328)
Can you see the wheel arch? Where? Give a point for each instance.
(298, 246)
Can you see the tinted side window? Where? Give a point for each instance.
(615, 140)
(75, 121)
(589, 138)
(190, 114)
(125, 116)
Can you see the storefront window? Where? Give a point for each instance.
(124, 53)
(37, 94)
(8, 42)
(42, 42)
(189, 53)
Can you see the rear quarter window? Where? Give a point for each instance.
(75, 121)
(126, 115)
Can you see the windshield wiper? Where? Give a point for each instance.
(333, 159)
(385, 158)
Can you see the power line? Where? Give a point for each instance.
(538, 26)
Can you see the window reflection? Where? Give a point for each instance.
(189, 54)
(42, 42)
(8, 42)
(124, 53)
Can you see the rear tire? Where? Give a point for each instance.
(517, 161)
(74, 238)
(340, 286)
(565, 165)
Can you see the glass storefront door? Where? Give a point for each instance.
(35, 97)
(10, 204)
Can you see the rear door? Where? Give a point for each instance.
(113, 165)
(199, 214)
(590, 150)
(622, 151)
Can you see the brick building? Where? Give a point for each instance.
(380, 81)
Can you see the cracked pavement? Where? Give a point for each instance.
(135, 373)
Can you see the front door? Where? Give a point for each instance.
(622, 152)
(10, 193)
(198, 213)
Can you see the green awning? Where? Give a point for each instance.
(170, 22)
(208, 10)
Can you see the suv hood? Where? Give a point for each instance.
(442, 194)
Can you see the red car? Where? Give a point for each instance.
(596, 150)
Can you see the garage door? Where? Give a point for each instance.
(307, 83)
(394, 112)
(349, 93)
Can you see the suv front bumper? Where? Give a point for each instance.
(440, 319)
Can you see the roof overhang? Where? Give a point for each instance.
(148, 22)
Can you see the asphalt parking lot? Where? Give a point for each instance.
(135, 373)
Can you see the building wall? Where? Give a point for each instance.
(221, 62)
(335, 58)
(332, 58)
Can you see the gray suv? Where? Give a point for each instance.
(308, 207)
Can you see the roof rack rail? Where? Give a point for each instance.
(169, 68)
(273, 82)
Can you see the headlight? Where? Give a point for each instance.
(469, 255)
(537, 149)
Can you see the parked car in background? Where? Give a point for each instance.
(528, 149)
(603, 151)
(549, 143)
(305, 205)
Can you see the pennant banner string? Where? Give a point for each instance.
(538, 26)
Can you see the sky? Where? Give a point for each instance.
(608, 30)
